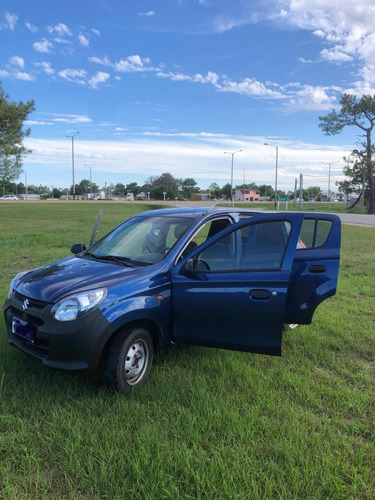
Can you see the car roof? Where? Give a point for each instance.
(194, 212)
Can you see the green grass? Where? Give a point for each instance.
(328, 207)
(208, 423)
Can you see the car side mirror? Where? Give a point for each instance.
(189, 267)
(78, 248)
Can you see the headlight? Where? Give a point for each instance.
(67, 309)
(15, 280)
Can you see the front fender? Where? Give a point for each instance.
(153, 305)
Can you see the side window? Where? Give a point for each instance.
(314, 233)
(259, 246)
(204, 233)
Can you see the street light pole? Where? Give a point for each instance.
(74, 186)
(231, 173)
(277, 161)
(329, 177)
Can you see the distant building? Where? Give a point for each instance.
(246, 195)
(200, 197)
(29, 196)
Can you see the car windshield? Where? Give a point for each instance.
(140, 241)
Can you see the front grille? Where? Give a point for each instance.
(35, 303)
(25, 316)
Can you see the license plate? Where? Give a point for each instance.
(23, 329)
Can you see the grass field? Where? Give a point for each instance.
(328, 207)
(208, 423)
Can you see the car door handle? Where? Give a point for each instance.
(317, 268)
(259, 294)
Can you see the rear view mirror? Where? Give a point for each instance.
(78, 248)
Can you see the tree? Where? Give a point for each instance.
(215, 190)
(84, 187)
(313, 192)
(188, 187)
(157, 193)
(119, 189)
(12, 150)
(266, 190)
(226, 190)
(361, 114)
(133, 188)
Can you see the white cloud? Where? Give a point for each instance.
(17, 61)
(31, 27)
(175, 77)
(335, 55)
(43, 45)
(46, 67)
(60, 30)
(58, 39)
(74, 75)
(83, 40)
(4, 73)
(150, 13)
(37, 122)
(68, 118)
(345, 27)
(209, 78)
(20, 75)
(99, 77)
(199, 153)
(95, 31)
(134, 63)
(250, 87)
(311, 98)
(293, 95)
(10, 21)
(131, 64)
(120, 129)
(104, 60)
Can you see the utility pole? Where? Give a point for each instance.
(300, 191)
(277, 162)
(74, 185)
(231, 173)
(295, 193)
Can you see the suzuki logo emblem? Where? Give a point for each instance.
(25, 304)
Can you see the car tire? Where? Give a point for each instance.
(129, 359)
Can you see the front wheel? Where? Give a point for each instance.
(129, 360)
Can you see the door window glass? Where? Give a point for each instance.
(254, 247)
(211, 228)
(314, 233)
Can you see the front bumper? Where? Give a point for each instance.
(70, 345)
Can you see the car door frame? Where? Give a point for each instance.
(185, 283)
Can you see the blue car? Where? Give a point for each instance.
(226, 278)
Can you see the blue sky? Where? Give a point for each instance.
(156, 86)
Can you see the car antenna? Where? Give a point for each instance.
(95, 228)
(215, 204)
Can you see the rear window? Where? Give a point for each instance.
(314, 233)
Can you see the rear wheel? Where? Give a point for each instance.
(129, 360)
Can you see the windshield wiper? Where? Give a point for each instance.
(125, 261)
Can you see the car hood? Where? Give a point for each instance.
(72, 275)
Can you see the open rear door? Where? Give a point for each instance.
(231, 291)
(315, 268)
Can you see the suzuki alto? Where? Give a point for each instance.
(225, 278)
